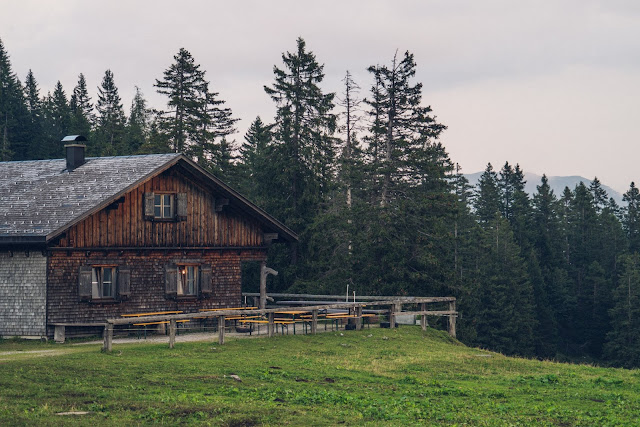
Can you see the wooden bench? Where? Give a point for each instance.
(164, 322)
(59, 331)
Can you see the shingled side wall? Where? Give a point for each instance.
(23, 277)
(147, 282)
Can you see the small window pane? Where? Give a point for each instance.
(167, 212)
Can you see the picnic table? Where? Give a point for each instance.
(155, 313)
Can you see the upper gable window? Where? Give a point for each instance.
(164, 206)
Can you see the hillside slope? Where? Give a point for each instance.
(372, 377)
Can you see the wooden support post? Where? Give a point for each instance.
(270, 325)
(263, 286)
(264, 272)
(358, 318)
(221, 330)
(392, 316)
(172, 333)
(423, 317)
(108, 337)
(452, 319)
(314, 322)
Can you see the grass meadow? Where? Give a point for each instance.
(370, 377)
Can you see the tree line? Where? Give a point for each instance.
(378, 204)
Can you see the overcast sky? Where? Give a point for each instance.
(552, 85)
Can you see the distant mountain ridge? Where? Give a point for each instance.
(557, 184)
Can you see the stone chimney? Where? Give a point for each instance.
(74, 151)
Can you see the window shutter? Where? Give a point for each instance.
(149, 201)
(206, 278)
(181, 200)
(84, 283)
(170, 280)
(124, 282)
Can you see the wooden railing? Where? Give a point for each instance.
(394, 308)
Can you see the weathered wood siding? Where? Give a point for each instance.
(147, 282)
(123, 224)
(23, 278)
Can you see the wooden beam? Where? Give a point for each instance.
(452, 319)
(268, 238)
(423, 318)
(221, 203)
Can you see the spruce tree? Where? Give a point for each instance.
(623, 341)
(303, 148)
(57, 122)
(34, 106)
(505, 317)
(110, 120)
(137, 129)
(14, 116)
(254, 172)
(487, 200)
(402, 127)
(631, 218)
(195, 122)
(81, 109)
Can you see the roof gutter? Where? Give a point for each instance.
(15, 241)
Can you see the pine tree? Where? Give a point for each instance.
(57, 122)
(515, 203)
(195, 118)
(623, 341)
(14, 116)
(631, 217)
(34, 105)
(303, 132)
(110, 120)
(487, 201)
(137, 129)
(599, 194)
(505, 317)
(402, 127)
(81, 109)
(254, 171)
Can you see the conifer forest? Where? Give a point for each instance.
(362, 177)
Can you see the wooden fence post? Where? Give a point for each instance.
(108, 337)
(270, 325)
(172, 333)
(314, 322)
(358, 318)
(423, 317)
(392, 316)
(452, 319)
(221, 321)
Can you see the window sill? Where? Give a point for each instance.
(187, 298)
(104, 301)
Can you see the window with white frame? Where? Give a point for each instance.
(187, 280)
(103, 282)
(164, 206)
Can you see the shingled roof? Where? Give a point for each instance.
(39, 199)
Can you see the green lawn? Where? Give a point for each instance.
(374, 376)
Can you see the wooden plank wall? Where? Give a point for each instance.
(123, 224)
(147, 282)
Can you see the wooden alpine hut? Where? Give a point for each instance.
(85, 239)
